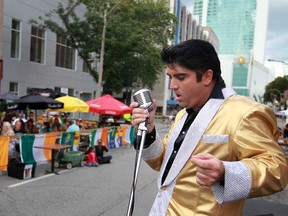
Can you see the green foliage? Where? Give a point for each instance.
(135, 34)
(275, 89)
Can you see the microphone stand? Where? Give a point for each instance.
(143, 130)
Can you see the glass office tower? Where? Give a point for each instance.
(233, 21)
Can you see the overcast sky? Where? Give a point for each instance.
(277, 38)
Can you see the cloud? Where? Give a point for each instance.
(277, 37)
(277, 46)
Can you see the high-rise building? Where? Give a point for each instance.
(232, 21)
(241, 27)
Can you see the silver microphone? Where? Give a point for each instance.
(144, 98)
(145, 101)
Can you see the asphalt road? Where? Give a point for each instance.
(104, 190)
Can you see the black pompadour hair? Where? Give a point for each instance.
(194, 54)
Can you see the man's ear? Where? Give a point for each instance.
(207, 77)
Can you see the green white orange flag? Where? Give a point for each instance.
(29, 154)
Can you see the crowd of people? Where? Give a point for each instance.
(16, 123)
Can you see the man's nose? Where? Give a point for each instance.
(173, 84)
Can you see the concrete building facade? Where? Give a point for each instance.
(35, 59)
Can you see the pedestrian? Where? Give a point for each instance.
(222, 147)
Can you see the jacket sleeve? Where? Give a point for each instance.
(261, 167)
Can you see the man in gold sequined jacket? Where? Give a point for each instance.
(222, 147)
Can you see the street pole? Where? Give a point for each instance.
(100, 71)
(102, 52)
(280, 61)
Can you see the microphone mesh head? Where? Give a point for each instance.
(144, 98)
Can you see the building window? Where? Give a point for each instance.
(64, 90)
(37, 45)
(13, 87)
(70, 92)
(15, 39)
(65, 54)
(85, 67)
(240, 74)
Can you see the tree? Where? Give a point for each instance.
(136, 32)
(275, 89)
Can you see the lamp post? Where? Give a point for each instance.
(280, 61)
(102, 51)
(100, 72)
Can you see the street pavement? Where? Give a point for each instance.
(102, 190)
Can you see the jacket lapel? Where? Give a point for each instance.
(192, 137)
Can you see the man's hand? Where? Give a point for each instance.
(209, 169)
(140, 115)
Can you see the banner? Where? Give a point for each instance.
(111, 137)
(101, 133)
(114, 137)
(4, 148)
(129, 135)
(29, 154)
(71, 138)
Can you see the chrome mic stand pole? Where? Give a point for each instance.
(143, 128)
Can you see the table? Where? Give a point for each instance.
(53, 148)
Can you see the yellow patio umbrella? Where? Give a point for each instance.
(72, 104)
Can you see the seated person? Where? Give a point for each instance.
(103, 123)
(56, 125)
(46, 127)
(100, 148)
(7, 129)
(79, 124)
(19, 128)
(21, 117)
(115, 122)
(91, 158)
(72, 126)
(30, 128)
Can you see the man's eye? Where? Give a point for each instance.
(181, 77)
